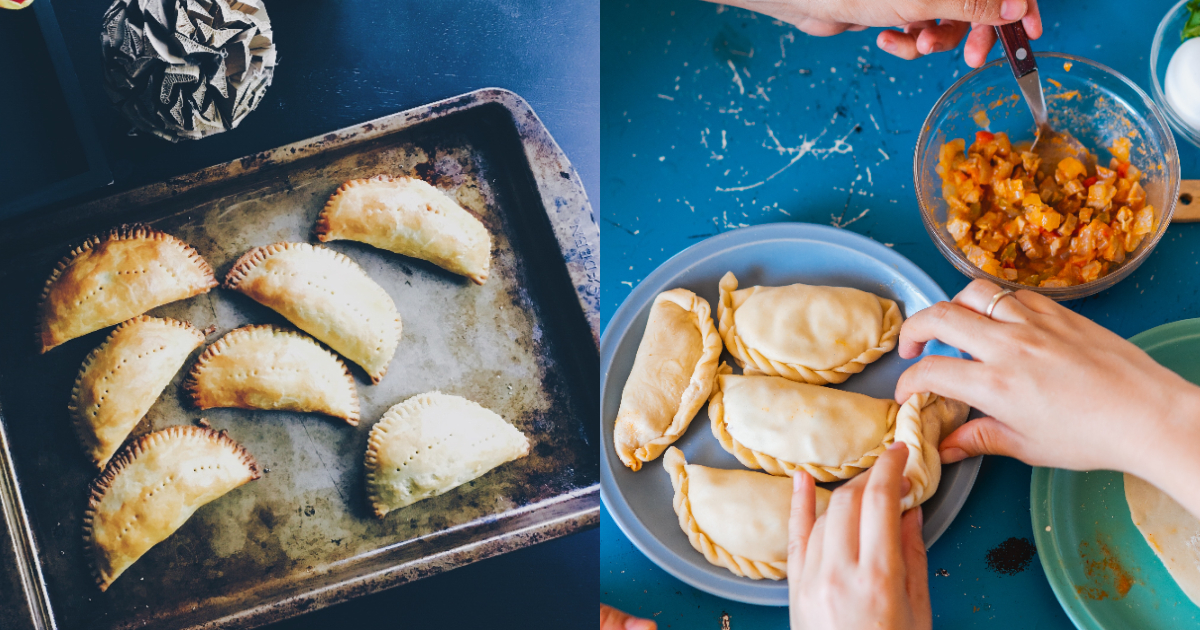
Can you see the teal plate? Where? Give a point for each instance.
(1104, 574)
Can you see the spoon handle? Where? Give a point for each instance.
(1016, 47)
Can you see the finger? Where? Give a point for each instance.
(613, 619)
(951, 377)
(856, 28)
(840, 548)
(951, 324)
(800, 522)
(879, 535)
(994, 12)
(979, 295)
(821, 28)
(942, 37)
(979, 44)
(982, 436)
(899, 44)
(1032, 21)
(813, 553)
(916, 567)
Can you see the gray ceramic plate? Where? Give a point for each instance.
(777, 254)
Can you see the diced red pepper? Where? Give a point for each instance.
(1123, 169)
(984, 137)
(1089, 181)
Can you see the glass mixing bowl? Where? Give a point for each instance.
(1093, 102)
(1166, 42)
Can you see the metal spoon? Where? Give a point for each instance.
(1052, 145)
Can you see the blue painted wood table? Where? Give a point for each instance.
(716, 118)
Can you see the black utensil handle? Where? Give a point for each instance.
(1016, 46)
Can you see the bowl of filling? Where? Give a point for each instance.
(1065, 228)
(1175, 69)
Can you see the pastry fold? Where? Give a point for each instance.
(812, 334)
(267, 367)
(671, 378)
(737, 518)
(113, 277)
(151, 488)
(122, 377)
(780, 426)
(433, 443)
(326, 295)
(407, 216)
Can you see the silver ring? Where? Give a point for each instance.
(996, 300)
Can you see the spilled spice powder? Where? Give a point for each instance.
(1011, 556)
(1107, 578)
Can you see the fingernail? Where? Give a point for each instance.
(905, 486)
(795, 483)
(934, 48)
(1012, 10)
(897, 446)
(888, 45)
(953, 454)
(920, 517)
(633, 623)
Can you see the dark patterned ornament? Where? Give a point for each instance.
(187, 68)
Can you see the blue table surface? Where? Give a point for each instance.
(823, 130)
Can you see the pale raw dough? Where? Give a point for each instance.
(152, 487)
(737, 518)
(671, 377)
(408, 216)
(811, 334)
(782, 426)
(1172, 532)
(433, 443)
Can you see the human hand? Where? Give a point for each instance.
(613, 619)
(923, 34)
(1061, 390)
(861, 564)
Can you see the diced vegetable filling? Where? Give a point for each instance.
(1035, 229)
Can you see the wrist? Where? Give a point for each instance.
(1168, 451)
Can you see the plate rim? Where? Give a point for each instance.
(762, 233)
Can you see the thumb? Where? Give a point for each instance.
(916, 564)
(982, 436)
(613, 619)
(991, 12)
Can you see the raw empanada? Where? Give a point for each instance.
(152, 487)
(267, 367)
(806, 333)
(1169, 529)
(121, 379)
(431, 444)
(326, 295)
(408, 216)
(114, 277)
(782, 426)
(671, 377)
(737, 518)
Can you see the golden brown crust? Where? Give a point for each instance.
(122, 233)
(200, 397)
(79, 422)
(128, 455)
(256, 256)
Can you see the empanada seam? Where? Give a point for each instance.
(134, 231)
(700, 383)
(762, 461)
(126, 456)
(73, 405)
(254, 257)
(752, 359)
(675, 463)
(192, 386)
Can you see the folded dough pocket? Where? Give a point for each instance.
(737, 518)
(806, 333)
(782, 426)
(671, 377)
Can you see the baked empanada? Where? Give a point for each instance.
(1169, 529)
(151, 488)
(806, 333)
(737, 518)
(671, 377)
(267, 367)
(781, 426)
(408, 216)
(122, 377)
(114, 277)
(326, 295)
(431, 444)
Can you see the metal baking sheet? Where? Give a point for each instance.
(525, 345)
